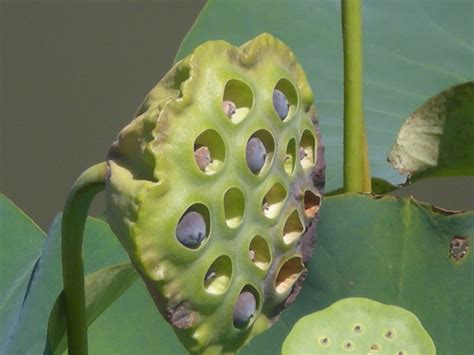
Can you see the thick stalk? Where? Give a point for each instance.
(356, 164)
(74, 218)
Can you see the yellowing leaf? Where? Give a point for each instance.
(438, 138)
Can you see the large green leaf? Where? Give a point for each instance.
(395, 251)
(46, 284)
(20, 246)
(438, 138)
(132, 325)
(413, 50)
(391, 250)
(102, 288)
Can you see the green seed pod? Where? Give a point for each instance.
(221, 249)
(359, 326)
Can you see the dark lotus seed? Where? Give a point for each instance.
(202, 156)
(255, 154)
(244, 309)
(280, 103)
(191, 229)
(229, 108)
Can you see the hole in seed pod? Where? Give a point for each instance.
(312, 202)
(290, 157)
(324, 341)
(259, 252)
(273, 201)
(193, 226)
(358, 328)
(259, 151)
(285, 99)
(375, 348)
(288, 274)
(218, 275)
(209, 152)
(234, 207)
(307, 150)
(402, 352)
(389, 334)
(245, 307)
(237, 100)
(348, 346)
(293, 228)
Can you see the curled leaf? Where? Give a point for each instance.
(438, 138)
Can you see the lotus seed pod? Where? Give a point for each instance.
(255, 154)
(281, 103)
(221, 249)
(191, 229)
(359, 326)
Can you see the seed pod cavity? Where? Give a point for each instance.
(293, 228)
(274, 200)
(209, 152)
(288, 274)
(312, 203)
(307, 151)
(234, 207)
(290, 157)
(218, 275)
(259, 252)
(237, 101)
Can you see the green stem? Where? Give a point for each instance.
(356, 165)
(74, 218)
